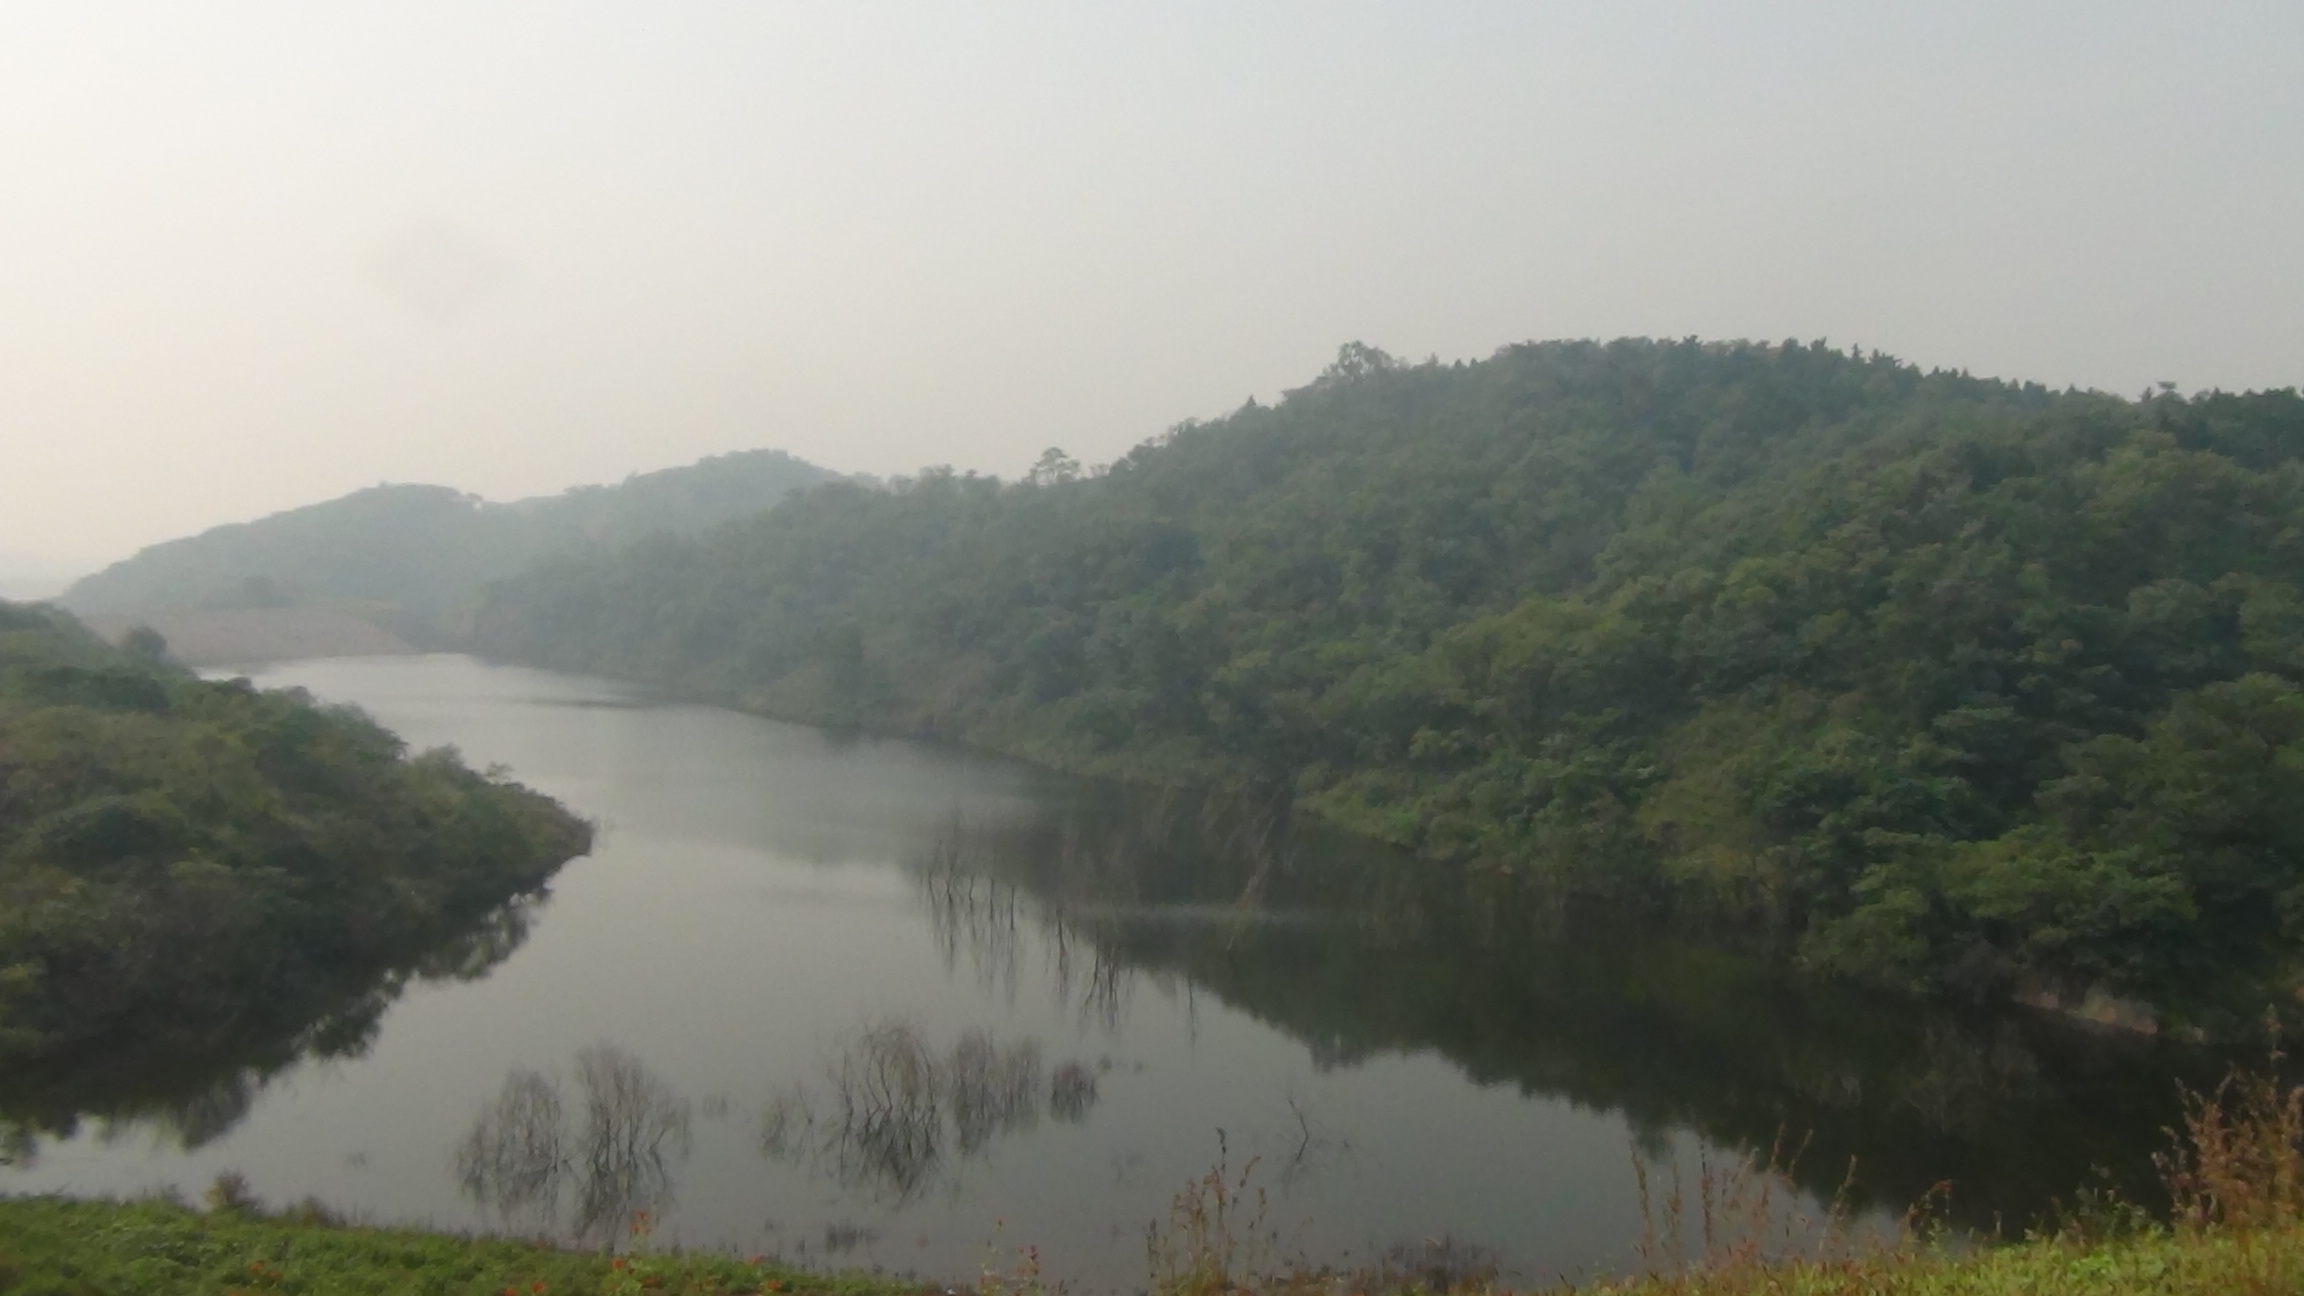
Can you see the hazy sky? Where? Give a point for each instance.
(253, 256)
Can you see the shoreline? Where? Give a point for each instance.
(162, 1247)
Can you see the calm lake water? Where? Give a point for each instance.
(869, 1002)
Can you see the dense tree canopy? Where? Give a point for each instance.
(1922, 679)
(181, 860)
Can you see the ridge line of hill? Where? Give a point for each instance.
(1929, 681)
(395, 568)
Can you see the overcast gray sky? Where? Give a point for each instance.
(252, 256)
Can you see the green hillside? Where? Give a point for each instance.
(414, 558)
(1915, 678)
(186, 863)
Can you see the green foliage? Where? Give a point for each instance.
(156, 1248)
(179, 858)
(1916, 678)
(414, 558)
(2153, 1264)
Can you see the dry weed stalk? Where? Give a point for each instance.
(1745, 1216)
(2238, 1161)
(1216, 1240)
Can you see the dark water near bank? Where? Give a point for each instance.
(862, 1001)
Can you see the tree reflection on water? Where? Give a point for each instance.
(1359, 951)
(190, 1091)
(895, 1117)
(541, 1168)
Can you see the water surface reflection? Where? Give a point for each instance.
(1359, 954)
(894, 1117)
(611, 1157)
(866, 999)
(188, 1091)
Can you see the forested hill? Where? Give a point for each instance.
(1923, 679)
(413, 558)
(186, 863)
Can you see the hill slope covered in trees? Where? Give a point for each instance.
(1921, 679)
(414, 558)
(184, 862)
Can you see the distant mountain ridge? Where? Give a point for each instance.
(413, 559)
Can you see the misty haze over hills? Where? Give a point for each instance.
(24, 576)
(1697, 626)
(1832, 693)
(1916, 678)
(512, 249)
(398, 565)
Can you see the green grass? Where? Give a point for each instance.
(51, 1246)
(2158, 1263)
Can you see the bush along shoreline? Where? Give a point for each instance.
(185, 862)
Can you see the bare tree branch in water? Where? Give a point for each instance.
(974, 911)
(618, 1149)
(970, 910)
(889, 1097)
(897, 1116)
(1072, 1090)
(516, 1155)
(1097, 878)
(1309, 1144)
(993, 1090)
(634, 1128)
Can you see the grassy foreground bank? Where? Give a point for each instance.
(90, 1248)
(51, 1246)
(2158, 1264)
